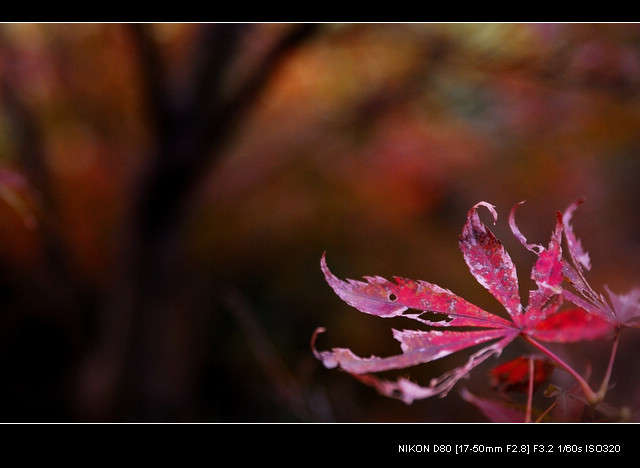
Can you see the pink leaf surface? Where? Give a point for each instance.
(574, 273)
(624, 310)
(626, 307)
(571, 325)
(547, 273)
(408, 391)
(489, 262)
(548, 270)
(383, 298)
(418, 347)
(578, 255)
(493, 268)
(518, 235)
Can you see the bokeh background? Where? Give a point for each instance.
(167, 191)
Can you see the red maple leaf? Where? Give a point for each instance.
(541, 319)
(623, 309)
(523, 374)
(515, 375)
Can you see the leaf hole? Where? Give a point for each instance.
(436, 317)
(428, 315)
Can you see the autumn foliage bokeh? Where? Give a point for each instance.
(185, 179)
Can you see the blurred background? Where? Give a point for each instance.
(167, 191)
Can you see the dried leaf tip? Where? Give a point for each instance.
(323, 265)
(489, 206)
(579, 256)
(316, 332)
(536, 248)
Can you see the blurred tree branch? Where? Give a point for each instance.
(191, 132)
(151, 376)
(61, 284)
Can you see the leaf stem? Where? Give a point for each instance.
(541, 417)
(530, 393)
(592, 397)
(605, 381)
